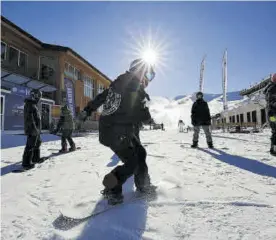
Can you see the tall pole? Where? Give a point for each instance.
(224, 80)
(201, 79)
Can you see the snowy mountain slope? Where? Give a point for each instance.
(203, 194)
(231, 96)
(171, 111)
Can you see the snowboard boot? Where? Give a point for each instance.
(148, 191)
(210, 145)
(27, 159)
(114, 198)
(37, 158)
(63, 145)
(194, 145)
(28, 167)
(63, 150)
(105, 192)
(72, 148)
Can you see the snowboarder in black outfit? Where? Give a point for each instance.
(201, 118)
(32, 128)
(123, 110)
(66, 123)
(270, 94)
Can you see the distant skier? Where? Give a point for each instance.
(32, 128)
(66, 124)
(201, 118)
(181, 125)
(124, 110)
(270, 94)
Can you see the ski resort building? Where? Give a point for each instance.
(63, 76)
(250, 112)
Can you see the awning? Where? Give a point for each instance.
(10, 79)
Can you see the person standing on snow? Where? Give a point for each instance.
(181, 126)
(32, 128)
(124, 110)
(66, 123)
(201, 118)
(270, 95)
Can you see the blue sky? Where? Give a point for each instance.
(105, 33)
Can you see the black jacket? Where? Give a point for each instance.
(123, 107)
(200, 113)
(270, 95)
(32, 118)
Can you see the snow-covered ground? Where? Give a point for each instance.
(228, 193)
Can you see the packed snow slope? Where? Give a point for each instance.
(169, 112)
(225, 193)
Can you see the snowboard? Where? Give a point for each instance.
(21, 169)
(84, 211)
(58, 153)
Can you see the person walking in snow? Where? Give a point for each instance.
(270, 95)
(32, 128)
(181, 126)
(123, 110)
(201, 118)
(66, 124)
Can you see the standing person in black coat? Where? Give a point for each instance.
(32, 128)
(270, 94)
(123, 110)
(201, 118)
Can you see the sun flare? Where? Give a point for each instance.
(150, 56)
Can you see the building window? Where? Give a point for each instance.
(241, 118)
(77, 74)
(100, 88)
(66, 67)
(14, 55)
(3, 51)
(46, 72)
(72, 72)
(22, 59)
(254, 116)
(88, 87)
(18, 57)
(248, 117)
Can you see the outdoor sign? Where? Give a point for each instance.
(20, 91)
(70, 95)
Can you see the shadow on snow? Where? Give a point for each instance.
(244, 163)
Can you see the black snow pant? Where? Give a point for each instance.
(31, 153)
(133, 156)
(137, 131)
(67, 135)
(273, 135)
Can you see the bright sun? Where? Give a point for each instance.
(152, 47)
(149, 56)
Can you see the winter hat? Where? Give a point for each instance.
(199, 95)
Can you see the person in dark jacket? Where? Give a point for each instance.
(124, 110)
(201, 118)
(270, 94)
(32, 128)
(66, 124)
